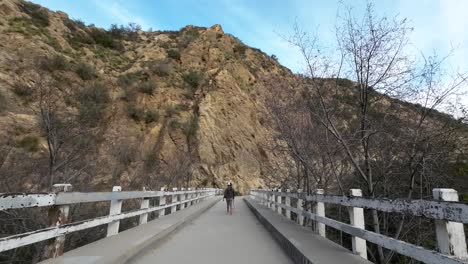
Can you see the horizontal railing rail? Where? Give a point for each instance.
(442, 210)
(60, 202)
(450, 235)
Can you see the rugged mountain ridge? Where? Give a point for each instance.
(183, 108)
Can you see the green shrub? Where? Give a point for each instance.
(160, 67)
(191, 127)
(3, 102)
(136, 113)
(39, 16)
(152, 116)
(240, 49)
(129, 79)
(29, 143)
(85, 71)
(129, 32)
(92, 102)
(173, 54)
(105, 39)
(188, 36)
(22, 90)
(147, 87)
(344, 82)
(193, 78)
(58, 62)
(175, 124)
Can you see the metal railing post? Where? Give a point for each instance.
(182, 199)
(58, 215)
(278, 200)
(174, 200)
(115, 208)
(162, 201)
(300, 217)
(356, 216)
(288, 203)
(320, 211)
(450, 235)
(144, 205)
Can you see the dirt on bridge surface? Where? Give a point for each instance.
(216, 237)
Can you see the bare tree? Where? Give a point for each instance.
(364, 122)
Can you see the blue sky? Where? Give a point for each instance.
(439, 24)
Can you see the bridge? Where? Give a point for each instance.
(268, 226)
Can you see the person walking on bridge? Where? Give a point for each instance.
(229, 196)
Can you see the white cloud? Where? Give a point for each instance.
(120, 13)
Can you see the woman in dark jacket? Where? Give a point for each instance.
(229, 196)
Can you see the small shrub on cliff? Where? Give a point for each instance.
(105, 39)
(85, 71)
(2, 102)
(129, 79)
(240, 49)
(22, 90)
(173, 54)
(160, 67)
(39, 16)
(136, 113)
(147, 87)
(58, 62)
(151, 116)
(29, 143)
(92, 102)
(193, 78)
(191, 127)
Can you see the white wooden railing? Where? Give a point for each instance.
(449, 216)
(59, 204)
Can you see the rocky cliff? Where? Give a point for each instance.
(134, 108)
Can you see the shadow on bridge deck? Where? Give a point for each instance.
(215, 237)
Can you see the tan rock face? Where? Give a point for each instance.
(206, 100)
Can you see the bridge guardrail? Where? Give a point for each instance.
(448, 214)
(60, 201)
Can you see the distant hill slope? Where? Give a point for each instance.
(132, 108)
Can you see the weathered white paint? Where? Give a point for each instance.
(320, 211)
(25, 200)
(442, 210)
(278, 200)
(401, 247)
(174, 201)
(356, 218)
(287, 201)
(144, 204)
(300, 217)
(450, 235)
(115, 208)
(15, 241)
(58, 215)
(182, 198)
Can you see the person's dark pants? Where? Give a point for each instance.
(229, 203)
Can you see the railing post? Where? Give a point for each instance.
(144, 205)
(189, 196)
(115, 208)
(450, 235)
(320, 211)
(278, 200)
(273, 200)
(356, 216)
(162, 201)
(300, 217)
(182, 199)
(58, 215)
(288, 203)
(174, 200)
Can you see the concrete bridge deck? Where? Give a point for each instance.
(215, 237)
